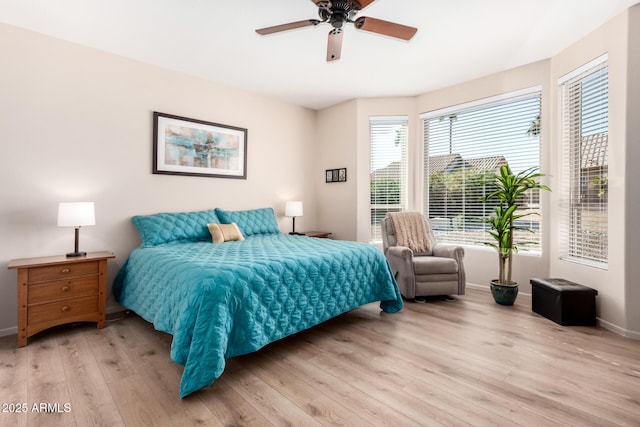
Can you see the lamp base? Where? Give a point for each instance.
(293, 233)
(76, 254)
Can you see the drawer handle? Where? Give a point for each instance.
(65, 288)
(66, 270)
(66, 308)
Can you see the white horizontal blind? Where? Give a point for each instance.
(585, 141)
(466, 144)
(388, 139)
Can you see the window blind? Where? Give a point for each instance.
(585, 140)
(388, 167)
(462, 146)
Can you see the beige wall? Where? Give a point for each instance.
(615, 309)
(76, 125)
(344, 207)
(336, 133)
(619, 292)
(632, 193)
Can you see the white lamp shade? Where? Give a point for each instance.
(76, 214)
(293, 209)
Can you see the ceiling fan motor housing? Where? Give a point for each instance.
(338, 12)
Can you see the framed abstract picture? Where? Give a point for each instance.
(183, 146)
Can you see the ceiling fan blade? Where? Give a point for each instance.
(289, 26)
(365, 3)
(334, 46)
(385, 28)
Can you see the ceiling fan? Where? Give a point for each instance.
(337, 13)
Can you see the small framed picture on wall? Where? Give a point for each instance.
(336, 175)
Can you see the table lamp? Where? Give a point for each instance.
(76, 214)
(293, 209)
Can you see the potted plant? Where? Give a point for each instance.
(510, 191)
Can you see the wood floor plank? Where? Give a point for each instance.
(111, 353)
(91, 401)
(147, 350)
(580, 409)
(311, 400)
(274, 406)
(467, 362)
(13, 383)
(135, 403)
(361, 402)
(421, 381)
(382, 388)
(48, 390)
(230, 407)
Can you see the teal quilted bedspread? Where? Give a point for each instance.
(227, 299)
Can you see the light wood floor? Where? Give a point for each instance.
(468, 362)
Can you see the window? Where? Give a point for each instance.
(585, 141)
(388, 138)
(466, 143)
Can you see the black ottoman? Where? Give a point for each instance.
(564, 302)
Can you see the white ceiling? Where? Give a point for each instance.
(457, 40)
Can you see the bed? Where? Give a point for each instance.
(220, 300)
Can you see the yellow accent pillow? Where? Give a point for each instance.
(224, 232)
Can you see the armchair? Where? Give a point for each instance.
(439, 271)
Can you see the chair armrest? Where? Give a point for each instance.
(402, 252)
(401, 262)
(448, 251)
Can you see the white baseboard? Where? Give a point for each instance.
(9, 331)
(480, 287)
(487, 289)
(618, 330)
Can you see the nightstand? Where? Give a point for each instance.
(319, 234)
(56, 290)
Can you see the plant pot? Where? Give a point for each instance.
(504, 294)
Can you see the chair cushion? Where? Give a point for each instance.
(434, 265)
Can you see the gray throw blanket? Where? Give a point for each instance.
(411, 231)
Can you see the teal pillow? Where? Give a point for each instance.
(254, 221)
(161, 228)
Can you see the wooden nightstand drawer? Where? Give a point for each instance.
(63, 289)
(62, 309)
(55, 272)
(58, 289)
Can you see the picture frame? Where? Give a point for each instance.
(336, 175)
(191, 147)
